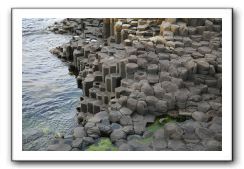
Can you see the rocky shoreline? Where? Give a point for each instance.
(148, 84)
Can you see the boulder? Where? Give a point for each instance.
(77, 143)
(92, 130)
(141, 107)
(173, 131)
(125, 147)
(204, 50)
(105, 129)
(169, 86)
(117, 135)
(204, 133)
(181, 97)
(213, 145)
(98, 117)
(159, 134)
(164, 65)
(142, 63)
(161, 107)
(131, 104)
(87, 141)
(114, 116)
(158, 91)
(79, 132)
(164, 76)
(203, 107)
(170, 98)
(199, 116)
(116, 126)
(151, 103)
(125, 111)
(59, 147)
(136, 145)
(202, 67)
(176, 145)
(125, 120)
(159, 145)
(147, 89)
(128, 129)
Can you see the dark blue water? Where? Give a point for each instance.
(50, 95)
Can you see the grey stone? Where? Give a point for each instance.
(169, 86)
(114, 116)
(125, 111)
(199, 116)
(142, 63)
(176, 145)
(115, 126)
(139, 127)
(98, 117)
(191, 138)
(181, 97)
(141, 107)
(147, 89)
(59, 147)
(203, 67)
(170, 98)
(125, 120)
(79, 132)
(163, 56)
(204, 133)
(151, 103)
(159, 134)
(77, 143)
(213, 145)
(164, 76)
(173, 131)
(117, 135)
(204, 50)
(87, 141)
(164, 65)
(183, 30)
(133, 137)
(125, 147)
(131, 104)
(158, 91)
(92, 130)
(136, 145)
(189, 126)
(128, 129)
(203, 107)
(159, 145)
(161, 107)
(105, 129)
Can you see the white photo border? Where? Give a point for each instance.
(16, 46)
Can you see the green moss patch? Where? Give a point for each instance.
(157, 125)
(104, 144)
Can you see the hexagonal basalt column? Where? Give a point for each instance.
(87, 84)
(115, 81)
(122, 68)
(131, 68)
(105, 71)
(106, 28)
(108, 83)
(152, 69)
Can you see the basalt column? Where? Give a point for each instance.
(106, 28)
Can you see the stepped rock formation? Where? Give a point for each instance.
(133, 71)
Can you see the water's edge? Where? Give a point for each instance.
(49, 93)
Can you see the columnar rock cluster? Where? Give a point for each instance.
(134, 71)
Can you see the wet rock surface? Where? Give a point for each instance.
(136, 71)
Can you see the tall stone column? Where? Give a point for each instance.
(106, 28)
